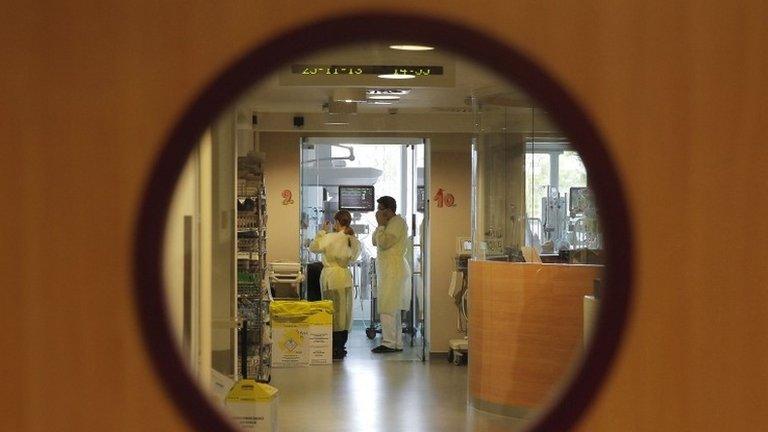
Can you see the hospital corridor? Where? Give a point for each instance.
(383, 245)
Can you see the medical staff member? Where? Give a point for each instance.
(392, 273)
(339, 249)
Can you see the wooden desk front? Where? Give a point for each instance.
(525, 330)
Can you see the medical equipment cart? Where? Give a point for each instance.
(458, 291)
(254, 346)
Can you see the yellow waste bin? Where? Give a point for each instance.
(253, 405)
(301, 332)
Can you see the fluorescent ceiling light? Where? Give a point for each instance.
(397, 76)
(383, 97)
(382, 103)
(412, 47)
(335, 123)
(389, 91)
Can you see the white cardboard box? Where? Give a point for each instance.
(320, 337)
(290, 345)
(302, 333)
(220, 386)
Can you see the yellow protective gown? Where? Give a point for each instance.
(392, 271)
(339, 250)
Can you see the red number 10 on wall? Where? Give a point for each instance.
(444, 199)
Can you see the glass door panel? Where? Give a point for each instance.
(418, 206)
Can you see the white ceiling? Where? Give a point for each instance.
(470, 80)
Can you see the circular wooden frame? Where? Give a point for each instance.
(472, 44)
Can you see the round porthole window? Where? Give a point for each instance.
(383, 218)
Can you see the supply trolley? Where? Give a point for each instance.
(374, 324)
(284, 279)
(254, 345)
(458, 291)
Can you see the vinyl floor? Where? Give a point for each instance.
(381, 392)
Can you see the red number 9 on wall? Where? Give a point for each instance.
(287, 197)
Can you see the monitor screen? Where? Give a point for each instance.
(581, 200)
(356, 198)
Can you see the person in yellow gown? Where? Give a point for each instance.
(339, 247)
(392, 273)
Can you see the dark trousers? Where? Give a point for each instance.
(313, 281)
(339, 342)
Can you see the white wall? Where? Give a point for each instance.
(223, 243)
(183, 204)
(192, 198)
(451, 170)
(281, 172)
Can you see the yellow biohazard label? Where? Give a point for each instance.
(291, 340)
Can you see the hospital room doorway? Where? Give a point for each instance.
(351, 173)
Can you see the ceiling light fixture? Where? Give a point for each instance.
(397, 76)
(389, 91)
(383, 97)
(412, 47)
(382, 103)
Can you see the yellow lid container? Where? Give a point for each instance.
(298, 310)
(248, 390)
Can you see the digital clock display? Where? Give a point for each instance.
(315, 70)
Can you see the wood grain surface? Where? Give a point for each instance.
(91, 90)
(525, 329)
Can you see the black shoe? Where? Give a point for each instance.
(384, 349)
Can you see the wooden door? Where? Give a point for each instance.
(91, 91)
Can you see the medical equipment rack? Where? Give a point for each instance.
(458, 352)
(254, 341)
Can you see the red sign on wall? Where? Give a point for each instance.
(287, 197)
(444, 199)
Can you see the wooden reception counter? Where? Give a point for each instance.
(525, 330)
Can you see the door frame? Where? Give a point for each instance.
(404, 142)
